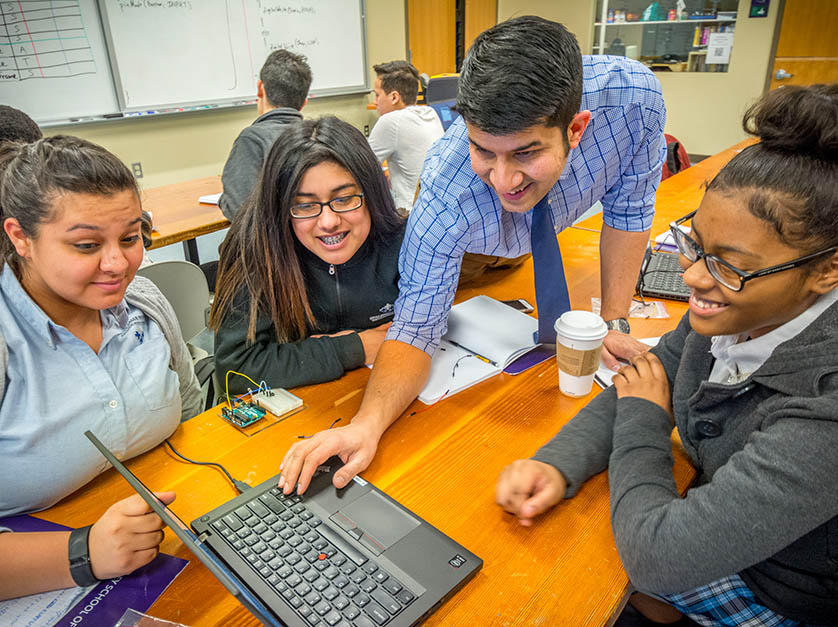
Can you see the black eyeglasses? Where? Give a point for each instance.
(730, 276)
(341, 204)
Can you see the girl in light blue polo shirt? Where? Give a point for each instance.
(83, 345)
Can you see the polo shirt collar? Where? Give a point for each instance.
(26, 308)
(42, 324)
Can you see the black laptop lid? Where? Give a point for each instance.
(192, 542)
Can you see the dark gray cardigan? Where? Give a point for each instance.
(247, 156)
(765, 504)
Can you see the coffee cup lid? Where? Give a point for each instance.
(581, 325)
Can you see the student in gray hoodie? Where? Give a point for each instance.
(750, 381)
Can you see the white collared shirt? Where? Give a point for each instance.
(738, 357)
(57, 387)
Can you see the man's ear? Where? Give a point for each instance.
(260, 89)
(577, 127)
(15, 233)
(395, 97)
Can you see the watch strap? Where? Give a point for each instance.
(78, 553)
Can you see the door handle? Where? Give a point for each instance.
(782, 74)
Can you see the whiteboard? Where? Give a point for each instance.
(83, 60)
(53, 61)
(175, 53)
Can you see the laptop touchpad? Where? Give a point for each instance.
(375, 522)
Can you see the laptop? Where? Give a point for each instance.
(351, 557)
(445, 110)
(661, 276)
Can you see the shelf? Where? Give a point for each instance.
(715, 21)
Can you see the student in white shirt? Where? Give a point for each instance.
(405, 131)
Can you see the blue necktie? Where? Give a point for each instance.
(550, 285)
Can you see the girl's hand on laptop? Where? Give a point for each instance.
(126, 537)
(527, 488)
(355, 444)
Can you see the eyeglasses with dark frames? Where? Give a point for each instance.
(730, 276)
(341, 204)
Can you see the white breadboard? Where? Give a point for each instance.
(277, 401)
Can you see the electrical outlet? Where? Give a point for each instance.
(366, 130)
(137, 168)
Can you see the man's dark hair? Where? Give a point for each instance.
(520, 73)
(286, 78)
(399, 76)
(16, 126)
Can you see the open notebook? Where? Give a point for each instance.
(483, 337)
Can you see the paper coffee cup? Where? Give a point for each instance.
(579, 337)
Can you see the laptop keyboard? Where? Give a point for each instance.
(663, 276)
(325, 579)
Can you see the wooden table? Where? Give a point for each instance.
(442, 462)
(177, 215)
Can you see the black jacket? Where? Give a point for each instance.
(357, 295)
(248, 154)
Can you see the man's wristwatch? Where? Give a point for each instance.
(79, 554)
(618, 324)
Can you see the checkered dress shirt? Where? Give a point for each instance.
(618, 162)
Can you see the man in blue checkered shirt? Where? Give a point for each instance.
(538, 119)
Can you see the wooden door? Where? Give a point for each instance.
(432, 36)
(807, 47)
(480, 15)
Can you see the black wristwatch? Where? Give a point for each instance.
(79, 554)
(618, 324)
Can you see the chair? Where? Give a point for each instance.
(185, 287)
(441, 87)
(677, 158)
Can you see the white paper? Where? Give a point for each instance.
(210, 199)
(40, 610)
(604, 375)
(489, 328)
(638, 309)
(483, 337)
(719, 46)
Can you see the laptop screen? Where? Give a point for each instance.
(188, 537)
(444, 109)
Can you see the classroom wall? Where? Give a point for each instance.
(576, 15)
(704, 110)
(180, 147)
